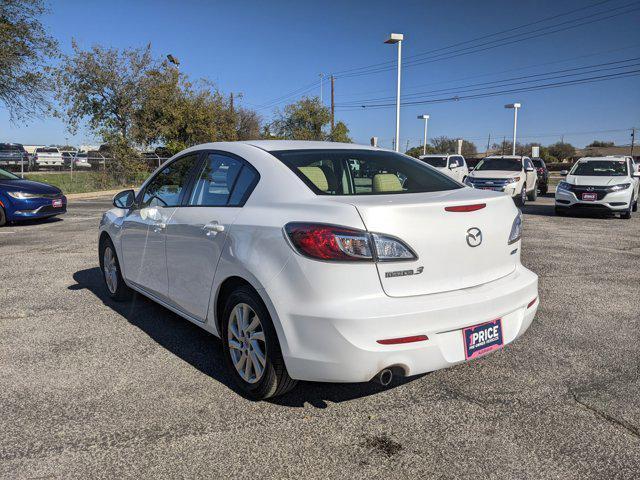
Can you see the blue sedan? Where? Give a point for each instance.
(27, 200)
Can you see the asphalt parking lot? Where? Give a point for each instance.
(90, 388)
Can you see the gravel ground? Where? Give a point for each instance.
(93, 389)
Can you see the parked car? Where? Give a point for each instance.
(453, 166)
(599, 184)
(307, 278)
(27, 200)
(511, 174)
(14, 156)
(543, 175)
(48, 157)
(80, 160)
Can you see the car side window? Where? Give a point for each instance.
(461, 161)
(167, 187)
(215, 181)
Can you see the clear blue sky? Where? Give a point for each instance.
(268, 49)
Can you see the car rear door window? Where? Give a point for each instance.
(167, 187)
(215, 181)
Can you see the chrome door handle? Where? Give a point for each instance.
(159, 227)
(213, 228)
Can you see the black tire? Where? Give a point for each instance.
(3, 217)
(635, 206)
(544, 189)
(121, 292)
(626, 215)
(275, 379)
(533, 195)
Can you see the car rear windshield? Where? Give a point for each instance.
(509, 164)
(4, 175)
(47, 150)
(538, 163)
(601, 168)
(439, 162)
(363, 172)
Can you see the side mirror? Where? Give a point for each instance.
(529, 169)
(124, 199)
(635, 174)
(564, 173)
(471, 169)
(453, 165)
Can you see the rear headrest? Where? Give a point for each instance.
(386, 182)
(317, 177)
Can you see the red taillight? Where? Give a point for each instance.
(396, 341)
(532, 302)
(466, 208)
(329, 242)
(540, 171)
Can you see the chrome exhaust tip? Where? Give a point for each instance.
(384, 377)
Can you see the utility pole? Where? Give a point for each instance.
(633, 139)
(231, 101)
(406, 149)
(333, 105)
(488, 144)
(320, 88)
(504, 141)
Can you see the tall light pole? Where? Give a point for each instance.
(397, 38)
(321, 75)
(426, 120)
(515, 107)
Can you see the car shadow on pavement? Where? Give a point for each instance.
(203, 351)
(538, 209)
(37, 221)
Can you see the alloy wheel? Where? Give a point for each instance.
(246, 340)
(110, 269)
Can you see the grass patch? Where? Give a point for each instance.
(83, 182)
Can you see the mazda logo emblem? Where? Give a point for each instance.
(474, 237)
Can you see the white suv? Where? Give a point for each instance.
(322, 261)
(514, 175)
(453, 166)
(604, 184)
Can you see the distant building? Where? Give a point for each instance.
(604, 151)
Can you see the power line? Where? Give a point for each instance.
(457, 98)
(495, 83)
(494, 73)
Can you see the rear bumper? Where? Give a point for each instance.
(339, 343)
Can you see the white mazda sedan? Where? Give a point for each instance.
(322, 261)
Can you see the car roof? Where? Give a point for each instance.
(279, 145)
(512, 157)
(610, 158)
(437, 155)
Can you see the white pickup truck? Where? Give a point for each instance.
(48, 157)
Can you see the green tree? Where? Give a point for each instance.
(25, 49)
(600, 143)
(177, 112)
(562, 151)
(340, 133)
(306, 119)
(103, 87)
(450, 145)
(248, 124)
(416, 152)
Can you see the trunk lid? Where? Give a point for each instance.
(446, 261)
